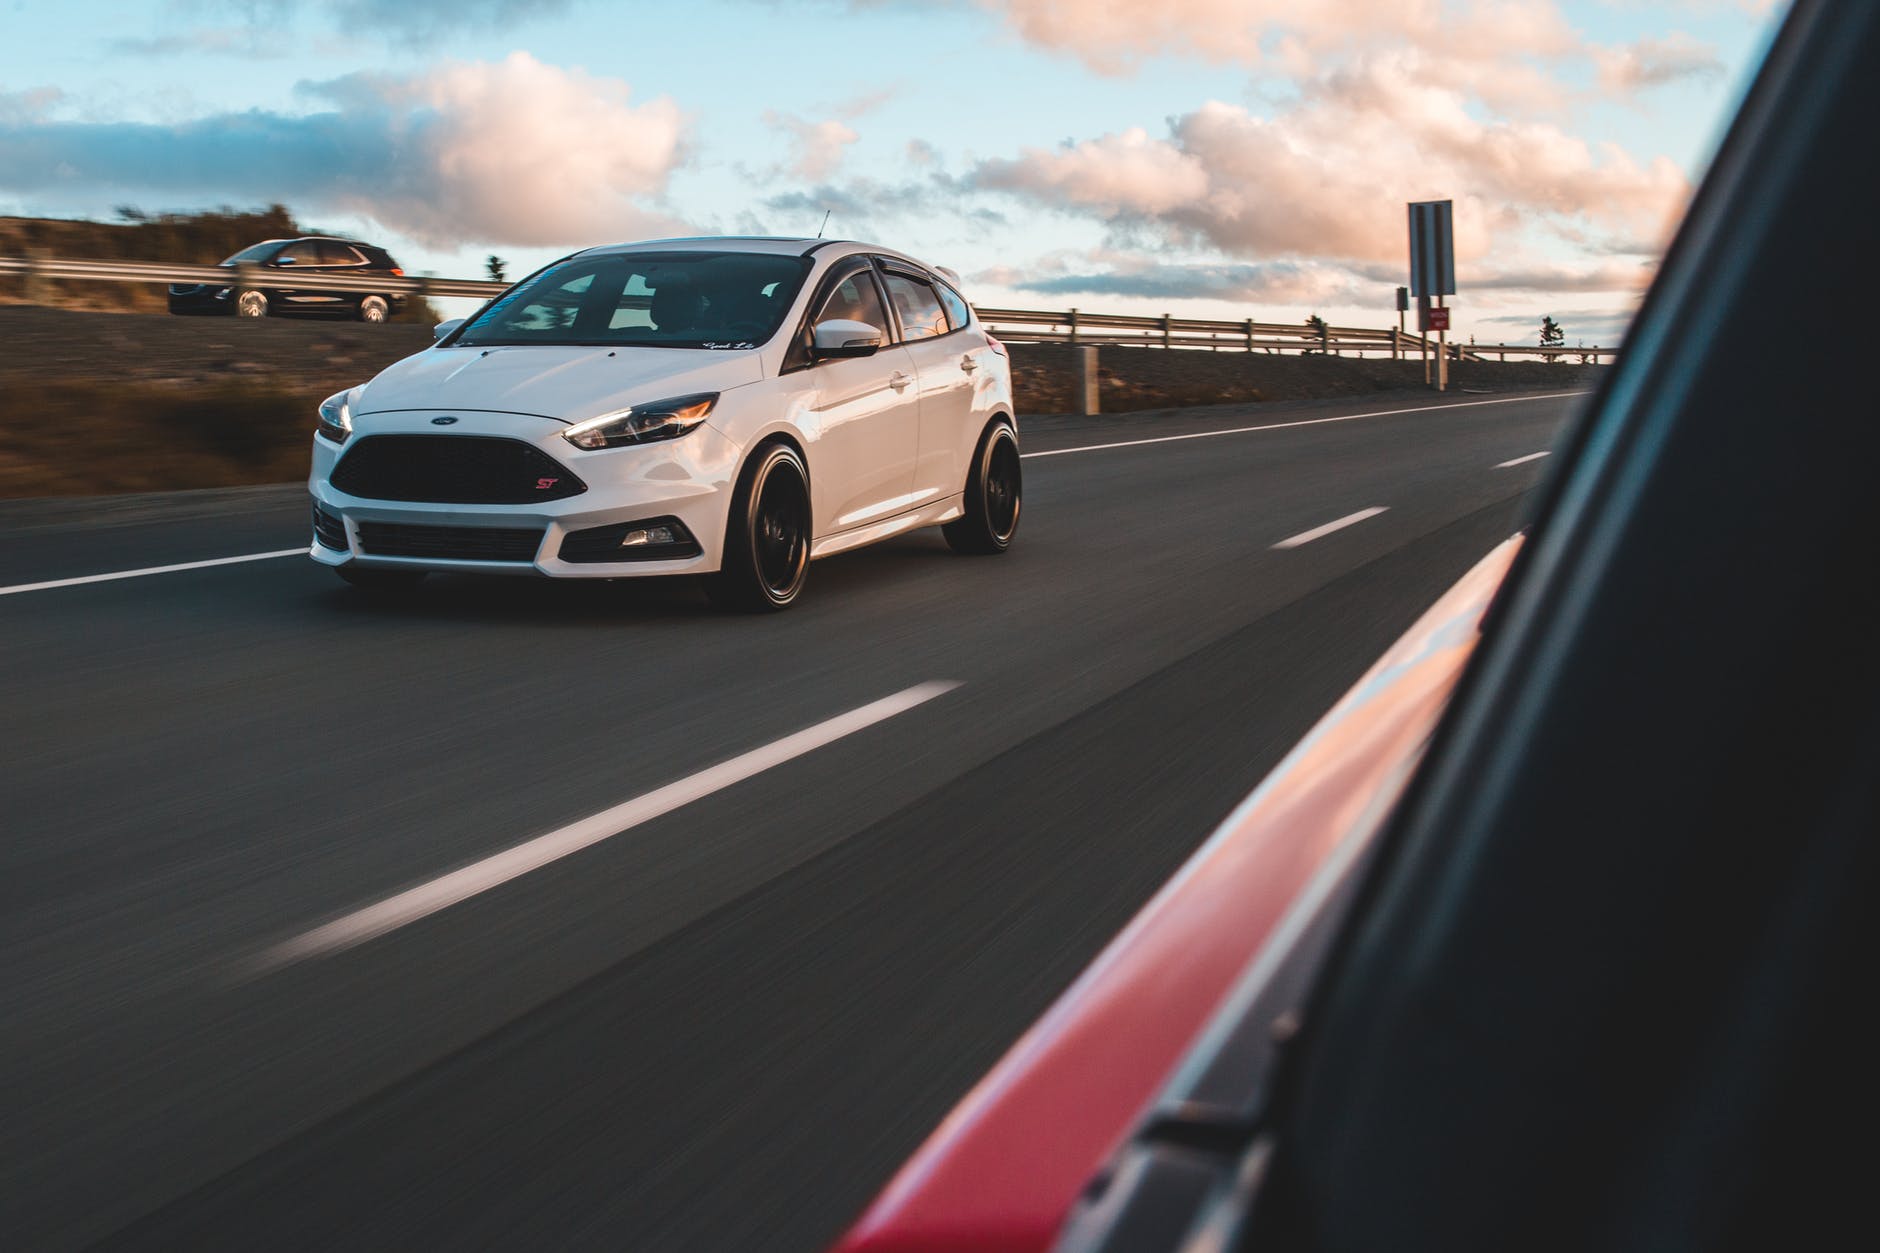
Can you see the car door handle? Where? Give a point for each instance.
(899, 381)
(968, 364)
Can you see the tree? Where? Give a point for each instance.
(495, 266)
(1551, 334)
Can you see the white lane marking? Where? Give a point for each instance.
(1533, 456)
(480, 876)
(1319, 532)
(138, 574)
(1280, 426)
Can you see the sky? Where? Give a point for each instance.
(1206, 158)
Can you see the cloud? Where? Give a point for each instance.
(1275, 282)
(860, 204)
(408, 23)
(513, 152)
(1327, 177)
(1656, 62)
(29, 105)
(816, 148)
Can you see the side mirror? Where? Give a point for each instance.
(839, 337)
(283, 261)
(443, 329)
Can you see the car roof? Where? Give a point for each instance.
(776, 245)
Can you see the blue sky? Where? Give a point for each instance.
(1205, 157)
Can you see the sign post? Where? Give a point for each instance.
(1403, 306)
(1433, 273)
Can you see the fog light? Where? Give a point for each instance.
(649, 535)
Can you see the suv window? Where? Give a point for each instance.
(919, 308)
(857, 299)
(958, 315)
(300, 252)
(332, 252)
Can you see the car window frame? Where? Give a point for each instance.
(797, 356)
(894, 265)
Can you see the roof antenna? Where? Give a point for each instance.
(825, 223)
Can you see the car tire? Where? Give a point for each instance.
(993, 498)
(766, 548)
(380, 582)
(374, 309)
(251, 304)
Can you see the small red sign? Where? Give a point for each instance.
(1439, 319)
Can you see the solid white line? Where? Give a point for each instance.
(1281, 426)
(138, 574)
(1318, 532)
(1533, 456)
(480, 876)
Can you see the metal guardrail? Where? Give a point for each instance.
(1035, 326)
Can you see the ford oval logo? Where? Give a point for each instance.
(442, 421)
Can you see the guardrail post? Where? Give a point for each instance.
(1168, 324)
(1073, 322)
(36, 288)
(247, 278)
(1249, 334)
(1087, 401)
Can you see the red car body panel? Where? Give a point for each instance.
(1001, 1173)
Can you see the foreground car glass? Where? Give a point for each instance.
(670, 300)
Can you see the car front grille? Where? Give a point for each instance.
(454, 470)
(450, 543)
(328, 530)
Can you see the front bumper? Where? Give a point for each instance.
(689, 479)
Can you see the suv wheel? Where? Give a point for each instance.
(373, 309)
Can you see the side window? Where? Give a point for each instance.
(856, 299)
(332, 252)
(958, 315)
(300, 252)
(919, 308)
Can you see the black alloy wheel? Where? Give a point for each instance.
(994, 496)
(766, 554)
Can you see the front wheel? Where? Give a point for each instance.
(374, 309)
(766, 557)
(251, 304)
(993, 496)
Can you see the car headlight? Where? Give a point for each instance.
(642, 424)
(336, 416)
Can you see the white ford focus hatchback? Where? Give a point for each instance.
(729, 407)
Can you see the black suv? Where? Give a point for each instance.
(282, 258)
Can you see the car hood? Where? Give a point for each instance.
(568, 384)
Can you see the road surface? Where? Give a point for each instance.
(529, 914)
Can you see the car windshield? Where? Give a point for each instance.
(254, 252)
(665, 299)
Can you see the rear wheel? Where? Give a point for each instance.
(766, 557)
(380, 581)
(993, 496)
(374, 309)
(251, 304)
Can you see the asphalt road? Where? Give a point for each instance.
(723, 1027)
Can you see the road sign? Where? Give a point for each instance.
(1439, 319)
(1403, 299)
(1432, 249)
